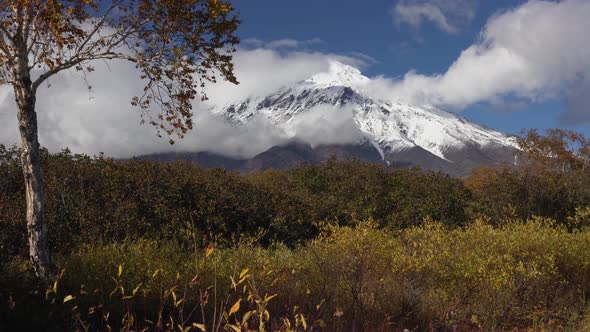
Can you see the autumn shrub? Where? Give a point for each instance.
(532, 274)
(479, 277)
(343, 192)
(414, 195)
(136, 237)
(351, 270)
(12, 206)
(495, 278)
(100, 200)
(507, 193)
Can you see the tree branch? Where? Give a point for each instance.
(98, 26)
(76, 61)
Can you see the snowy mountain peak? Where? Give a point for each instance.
(338, 74)
(402, 133)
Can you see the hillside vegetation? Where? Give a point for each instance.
(338, 246)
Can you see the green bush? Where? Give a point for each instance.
(99, 200)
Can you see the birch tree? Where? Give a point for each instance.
(177, 47)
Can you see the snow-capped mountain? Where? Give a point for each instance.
(402, 134)
(385, 130)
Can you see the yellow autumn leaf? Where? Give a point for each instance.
(247, 316)
(268, 298)
(137, 288)
(199, 326)
(303, 322)
(155, 273)
(233, 327)
(243, 273)
(208, 251)
(235, 307)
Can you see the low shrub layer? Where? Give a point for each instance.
(523, 275)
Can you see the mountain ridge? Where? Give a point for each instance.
(402, 134)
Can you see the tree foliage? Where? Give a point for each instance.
(550, 180)
(558, 149)
(177, 46)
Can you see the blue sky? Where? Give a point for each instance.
(352, 27)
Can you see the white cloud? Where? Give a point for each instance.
(538, 50)
(447, 15)
(365, 58)
(292, 43)
(105, 121)
(326, 125)
(285, 43)
(261, 71)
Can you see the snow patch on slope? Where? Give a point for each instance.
(338, 74)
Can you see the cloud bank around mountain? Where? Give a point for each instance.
(103, 120)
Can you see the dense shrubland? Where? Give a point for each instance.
(99, 200)
(343, 246)
(530, 274)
